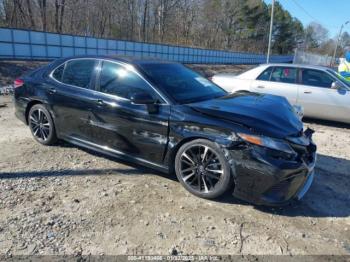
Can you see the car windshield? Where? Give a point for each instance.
(340, 78)
(181, 83)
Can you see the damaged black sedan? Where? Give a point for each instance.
(166, 116)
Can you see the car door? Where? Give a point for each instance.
(278, 80)
(72, 97)
(136, 130)
(319, 99)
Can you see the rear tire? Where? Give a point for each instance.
(202, 168)
(41, 125)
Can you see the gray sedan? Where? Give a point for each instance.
(319, 90)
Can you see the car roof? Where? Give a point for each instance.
(125, 59)
(298, 66)
(262, 67)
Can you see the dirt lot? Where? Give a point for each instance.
(66, 200)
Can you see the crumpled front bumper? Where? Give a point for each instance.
(306, 186)
(263, 179)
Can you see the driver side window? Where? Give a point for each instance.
(121, 81)
(316, 78)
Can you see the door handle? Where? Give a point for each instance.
(307, 92)
(260, 87)
(52, 90)
(100, 102)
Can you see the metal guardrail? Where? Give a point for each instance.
(37, 45)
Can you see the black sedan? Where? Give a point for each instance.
(166, 116)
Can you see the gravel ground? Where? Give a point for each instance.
(66, 200)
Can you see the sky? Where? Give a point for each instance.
(331, 14)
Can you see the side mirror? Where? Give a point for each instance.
(145, 99)
(336, 85)
(142, 99)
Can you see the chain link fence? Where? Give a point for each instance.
(301, 57)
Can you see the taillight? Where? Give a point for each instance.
(18, 83)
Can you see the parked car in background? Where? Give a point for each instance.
(320, 91)
(168, 117)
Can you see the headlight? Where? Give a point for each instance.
(267, 142)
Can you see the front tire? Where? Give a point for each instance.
(41, 125)
(202, 168)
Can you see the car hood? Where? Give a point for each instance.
(267, 114)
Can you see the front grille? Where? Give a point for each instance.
(278, 191)
(285, 189)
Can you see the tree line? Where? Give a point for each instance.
(239, 25)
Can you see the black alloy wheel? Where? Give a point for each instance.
(41, 125)
(202, 168)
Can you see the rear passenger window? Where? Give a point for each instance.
(284, 75)
(57, 74)
(317, 78)
(265, 76)
(78, 72)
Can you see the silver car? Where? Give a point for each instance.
(319, 90)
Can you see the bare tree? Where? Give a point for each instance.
(144, 20)
(42, 8)
(30, 14)
(59, 14)
(222, 24)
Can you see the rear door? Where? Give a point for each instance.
(278, 80)
(72, 97)
(126, 127)
(319, 99)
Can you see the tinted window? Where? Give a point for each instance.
(317, 78)
(121, 81)
(57, 74)
(79, 72)
(284, 75)
(181, 83)
(265, 76)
